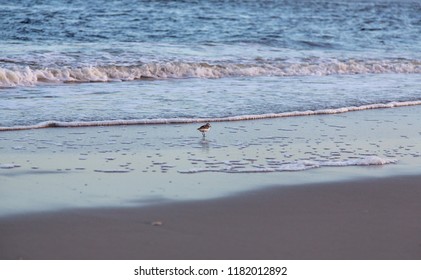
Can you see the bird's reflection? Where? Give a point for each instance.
(205, 144)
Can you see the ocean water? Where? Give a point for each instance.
(79, 63)
(94, 63)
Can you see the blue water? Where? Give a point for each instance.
(88, 61)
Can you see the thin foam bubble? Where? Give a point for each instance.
(164, 70)
(51, 124)
(114, 171)
(8, 165)
(295, 166)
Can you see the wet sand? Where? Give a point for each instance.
(123, 166)
(362, 219)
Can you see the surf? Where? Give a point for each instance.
(14, 76)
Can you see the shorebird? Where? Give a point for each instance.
(204, 128)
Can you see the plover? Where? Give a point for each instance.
(204, 128)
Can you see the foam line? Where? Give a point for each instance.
(51, 124)
(297, 166)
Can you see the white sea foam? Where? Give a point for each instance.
(112, 170)
(295, 166)
(50, 124)
(8, 165)
(163, 70)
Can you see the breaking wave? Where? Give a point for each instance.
(27, 76)
(51, 124)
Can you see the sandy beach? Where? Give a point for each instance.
(119, 166)
(314, 150)
(341, 186)
(366, 219)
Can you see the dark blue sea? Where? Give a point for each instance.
(67, 63)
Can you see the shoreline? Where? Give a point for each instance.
(357, 219)
(178, 121)
(66, 168)
(314, 149)
(127, 199)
